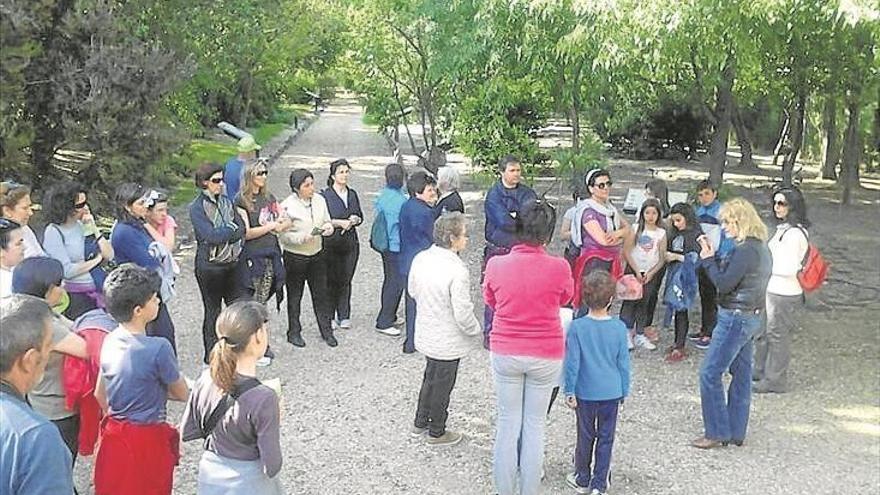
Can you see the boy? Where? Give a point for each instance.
(710, 223)
(596, 374)
(138, 449)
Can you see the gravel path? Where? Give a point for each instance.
(346, 411)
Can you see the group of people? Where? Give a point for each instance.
(93, 312)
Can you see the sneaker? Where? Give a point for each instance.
(399, 322)
(334, 324)
(629, 340)
(652, 334)
(417, 431)
(596, 492)
(392, 331)
(675, 356)
(448, 438)
(693, 337)
(345, 324)
(264, 361)
(571, 479)
(644, 343)
(703, 343)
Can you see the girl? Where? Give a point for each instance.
(645, 254)
(160, 224)
(682, 241)
(243, 450)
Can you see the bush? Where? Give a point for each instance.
(673, 131)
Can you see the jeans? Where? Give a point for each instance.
(489, 252)
(299, 270)
(392, 288)
(523, 386)
(218, 286)
(731, 350)
(708, 302)
(341, 264)
(596, 424)
(773, 342)
(437, 385)
(409, 342)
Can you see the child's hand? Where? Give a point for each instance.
(571, 401)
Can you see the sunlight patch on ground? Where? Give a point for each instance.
(871, 429)
(862, 413)
(803, 429)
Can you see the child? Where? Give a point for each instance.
(160, 224)
(138, 449)
(645, 253)
(243, 451)
(596, 382)
(708, 215)
(682, 240)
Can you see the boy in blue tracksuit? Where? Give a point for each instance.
(596, 381)
(707, 211)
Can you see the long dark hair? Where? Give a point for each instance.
(797, 207)
(126, 194)
(687, 211)
(649, 203)
(334, 166)
(59, 201)
(235, 326)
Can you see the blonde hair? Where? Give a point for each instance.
(235, 326)
(11, 193)
(748, 223)
(247, 183)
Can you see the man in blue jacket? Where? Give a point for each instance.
(417, 217)
(504, 201)
(247, 150)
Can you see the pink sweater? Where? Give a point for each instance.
(526, 288)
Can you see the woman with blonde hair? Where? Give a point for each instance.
(742, 284)
(236, 414)
(16, 205)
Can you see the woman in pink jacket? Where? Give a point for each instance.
(525, 288)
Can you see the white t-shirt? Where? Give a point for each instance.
(5, 282)
(788, 252)
(32, 247)
(646, 253)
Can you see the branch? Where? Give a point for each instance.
(698, 77)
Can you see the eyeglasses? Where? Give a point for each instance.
(604, 185)
(80, 206)
(780, 203)
(262, 173)
(217, 180)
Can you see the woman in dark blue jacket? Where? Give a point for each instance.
(341, 249)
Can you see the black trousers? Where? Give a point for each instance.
(163, 327)
(437, 385)
(652, 300)
(218, 285)
(708, 302)
(392, 290)
(341, 264)
(69, 429)
(635, 313)
(299, 270)
(682, 322)
(79, 303)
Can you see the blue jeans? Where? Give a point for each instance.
(596, 424)
(392, 288)
(731, 350)
(522, 386)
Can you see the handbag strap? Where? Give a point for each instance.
(224, 405)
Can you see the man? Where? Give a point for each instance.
(417, 217)
(247, 150)
(503, 203)
(33, 457)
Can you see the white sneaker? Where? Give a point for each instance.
(391, 331)
(629, 340)
(571, 479)
(399, 322)
(644, 343)
(345, 324)
(264, 361)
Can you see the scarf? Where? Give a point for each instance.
(608, 209)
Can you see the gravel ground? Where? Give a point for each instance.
(346, 411)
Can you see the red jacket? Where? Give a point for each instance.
(79, 377)
(136, 459)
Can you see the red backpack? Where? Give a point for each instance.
(814, 268)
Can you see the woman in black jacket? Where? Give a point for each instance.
(219, 230)
(341, 249)
(741, 281)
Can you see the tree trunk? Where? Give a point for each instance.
(743, 139)
(875, 134)
(783, 136)
(797, 139)
(723, 110)
(247, 92)
(852, 150)
(576, 109)
(831, 143)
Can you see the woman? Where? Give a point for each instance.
(72, 238)
(243, 449)
(742, 284)
(598, 228)
(341, 249)
(445, 323)
(304, 257)
(388, 205)
(681, 247)
(261, 268)
(526, 288)
(11, 253)
(218, 230)
(160, 224)
(133, 244)
(448, 182)
(785, 297)
(15, 203)
(42, 277)
(572, 252)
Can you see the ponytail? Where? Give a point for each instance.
(223, 364)
(236, 324)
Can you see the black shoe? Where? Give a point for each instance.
(331, 341)
(296, 339)
(269, 353)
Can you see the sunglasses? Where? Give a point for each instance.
(216, 180)
(604, 185)
(780, 203)
(6, 224)
(262, 173)
(80, 206)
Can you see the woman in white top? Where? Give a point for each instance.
(645, 254)
(785, 297)
(11, 253)
(15, 202)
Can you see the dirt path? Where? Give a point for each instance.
(347, 411)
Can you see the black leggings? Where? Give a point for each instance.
(218, 285)
(341, 264)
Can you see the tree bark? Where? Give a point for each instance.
(743, 139)
(576, 109)
(723, 110)
(783, 136)
(797, 139)
(831, 143)
(852, 150)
